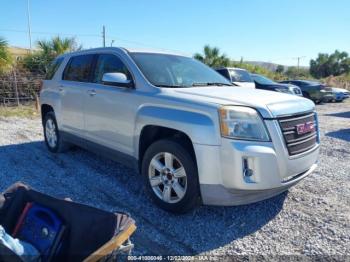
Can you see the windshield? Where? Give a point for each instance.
(165, 70)
(262, 80)
(313, 83)
(240, 76)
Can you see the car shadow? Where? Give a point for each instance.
(341, 114)
(96, 181)
(343, 134)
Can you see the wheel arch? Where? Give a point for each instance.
(45, 108)
(152, 133)
(154, 123)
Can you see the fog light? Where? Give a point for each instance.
(247, 171)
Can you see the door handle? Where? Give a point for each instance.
(60, 88)
(92, 92)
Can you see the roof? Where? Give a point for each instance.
(130, 50)
(231, 68)
(154, 51)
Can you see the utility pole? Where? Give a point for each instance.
(112, 42)
(104, 36)
(29, 28)
(298, 63)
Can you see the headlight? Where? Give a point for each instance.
(241, 122)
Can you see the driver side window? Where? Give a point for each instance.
(107, 63)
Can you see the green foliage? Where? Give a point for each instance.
(19, 111)
(212, 57)
(48, 50)
(38, 61)
(57, 46)
(5, 56)
(330, 65)
(280, 69)
(295, 73)
(256, 69)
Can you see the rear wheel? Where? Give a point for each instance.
(52, 136)
(170, 175)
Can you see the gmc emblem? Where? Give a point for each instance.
(305, 128)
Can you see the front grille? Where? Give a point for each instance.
(298, 143)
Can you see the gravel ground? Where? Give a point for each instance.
(313, 218)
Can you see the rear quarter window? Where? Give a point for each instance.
(51, 70)
(79, 68)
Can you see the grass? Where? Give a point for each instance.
(19, 111)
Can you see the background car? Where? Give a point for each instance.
(313, 90)
(237, 76)
(346, 93)
(262, 82)
(338, 96)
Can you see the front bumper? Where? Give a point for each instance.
(221, 169)
(221, 196)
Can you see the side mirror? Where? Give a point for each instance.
(116, 79)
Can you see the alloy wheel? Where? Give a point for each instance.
(50, 133)
(167, 177)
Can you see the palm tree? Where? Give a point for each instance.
(212, 57)
(40, 60)
(57, 46)
(5, 56)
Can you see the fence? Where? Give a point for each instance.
(19, 87)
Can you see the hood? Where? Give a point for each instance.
(268, 103)
(245, 84)
(336, 89)
(281, 86)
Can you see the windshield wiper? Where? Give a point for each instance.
(171, 86)
(211, 84)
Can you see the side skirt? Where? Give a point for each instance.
(104, 151)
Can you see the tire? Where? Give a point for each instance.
(182, 187)
(53, 139)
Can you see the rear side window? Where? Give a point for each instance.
(53, 68)
(107, 63)
(79, 68)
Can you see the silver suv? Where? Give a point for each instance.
(193, 137)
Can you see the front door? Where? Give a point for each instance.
(110, 110)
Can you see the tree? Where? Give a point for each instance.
(48, 50)
(5, 56)
(212, 57)
(330, 65)
(280, 69)
(294, 72)
(57, 46)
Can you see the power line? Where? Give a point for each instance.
(49, 33)
(115, 38)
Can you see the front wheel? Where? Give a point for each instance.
(170, 176)
(53, 140)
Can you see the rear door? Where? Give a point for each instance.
(72, 90)
(110, 110)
